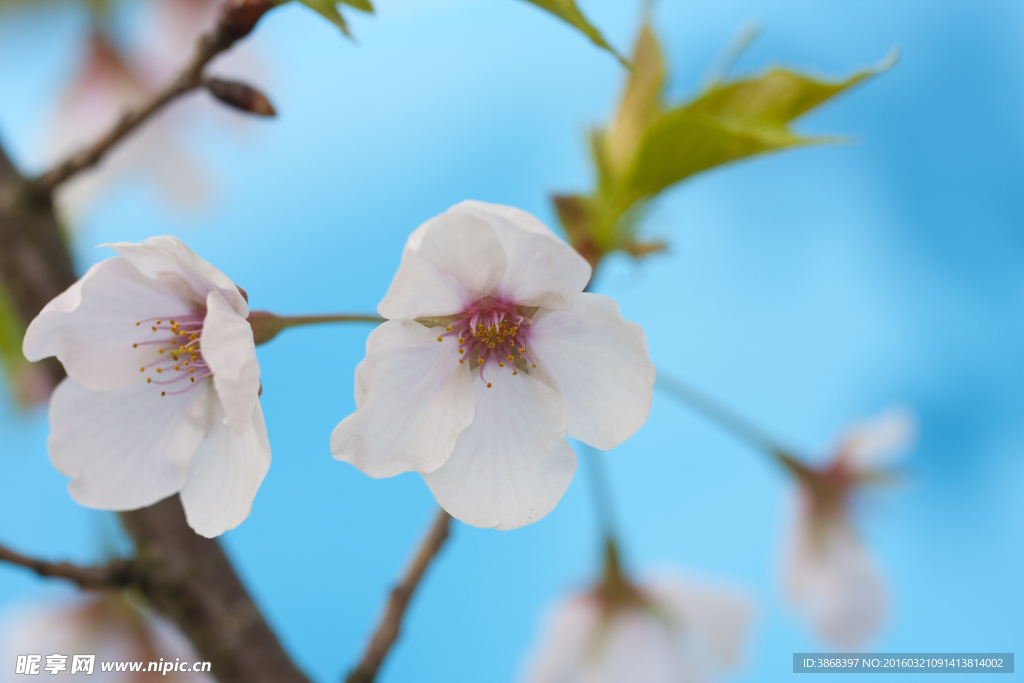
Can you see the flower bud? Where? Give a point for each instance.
(240, 96)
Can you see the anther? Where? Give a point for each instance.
(157, 322)
(480, 361)
(462, 350)
(491, 345)
(138, 323)
(159, 370)
(449, 328)
(161, 350)
(154, 329)
(142, 369)
(135, 346)
(515, 372)
(510, 358)
(177, 367)
(191, 379)
(533, 365)
(500, 364)
(461, 361)
(148, 380)
(438, 339)
(163, 393)
(488, 385)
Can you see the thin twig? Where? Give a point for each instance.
(727, 419)
(116, 574)
(391, 622)
(235, 20)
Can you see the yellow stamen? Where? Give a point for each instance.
(500, 364)
(438, 339)
(148, 380)
(488, 385)
(480, 361)
(515, 372)
(135, 346)
(449, 328)
(163, 393)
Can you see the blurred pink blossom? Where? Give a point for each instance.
(664, 631)
(831, 578)
(106, 626)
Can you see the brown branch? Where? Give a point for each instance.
(116, 574)
(391, 621)
(236, 20)
(185, 576)
(190, 579)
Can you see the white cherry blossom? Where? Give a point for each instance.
(831, 577)
(162, 388)
(492, 355)
(669, 631)
(104, 625)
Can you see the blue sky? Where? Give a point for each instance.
(806, 290)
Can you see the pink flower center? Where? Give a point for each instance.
(179, 364)
(491, 333)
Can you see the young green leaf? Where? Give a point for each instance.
(778, 96)
(567, 11)
(641, 102)
(684, 142)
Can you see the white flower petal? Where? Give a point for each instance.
(585, 644)
(449, 262)
(91, 326)
(105, 624)
(228, 348)
(513, 464)
(598, 362)
(160, 255)
(717, 619)
(542, 269)
(128, 448)
(413, 399)
(833, 581)
(227, 470)
(878, 442)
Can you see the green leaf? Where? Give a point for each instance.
(329, 10)
(567, 11)
(778, 96)
(640, 104)
(24, 379)
(684, 142)
(362, 5)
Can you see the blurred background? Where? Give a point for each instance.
(806, 290)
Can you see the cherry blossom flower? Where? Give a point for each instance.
(663, 631)
(162, 388)
(492, 355)
(106, 626)
(831, 578)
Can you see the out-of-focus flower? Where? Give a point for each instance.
(663, 631)
(106, 626)
(830, 576)
(162, 388)
(104, 89)
(492, 355)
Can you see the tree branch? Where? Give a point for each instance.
(236, 20)
(190, 579)
(391, 621)
(116, 574)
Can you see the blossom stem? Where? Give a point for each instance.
(266, 325)
(391, 621)
(601, 494)
(729, 420)
(113, 575)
